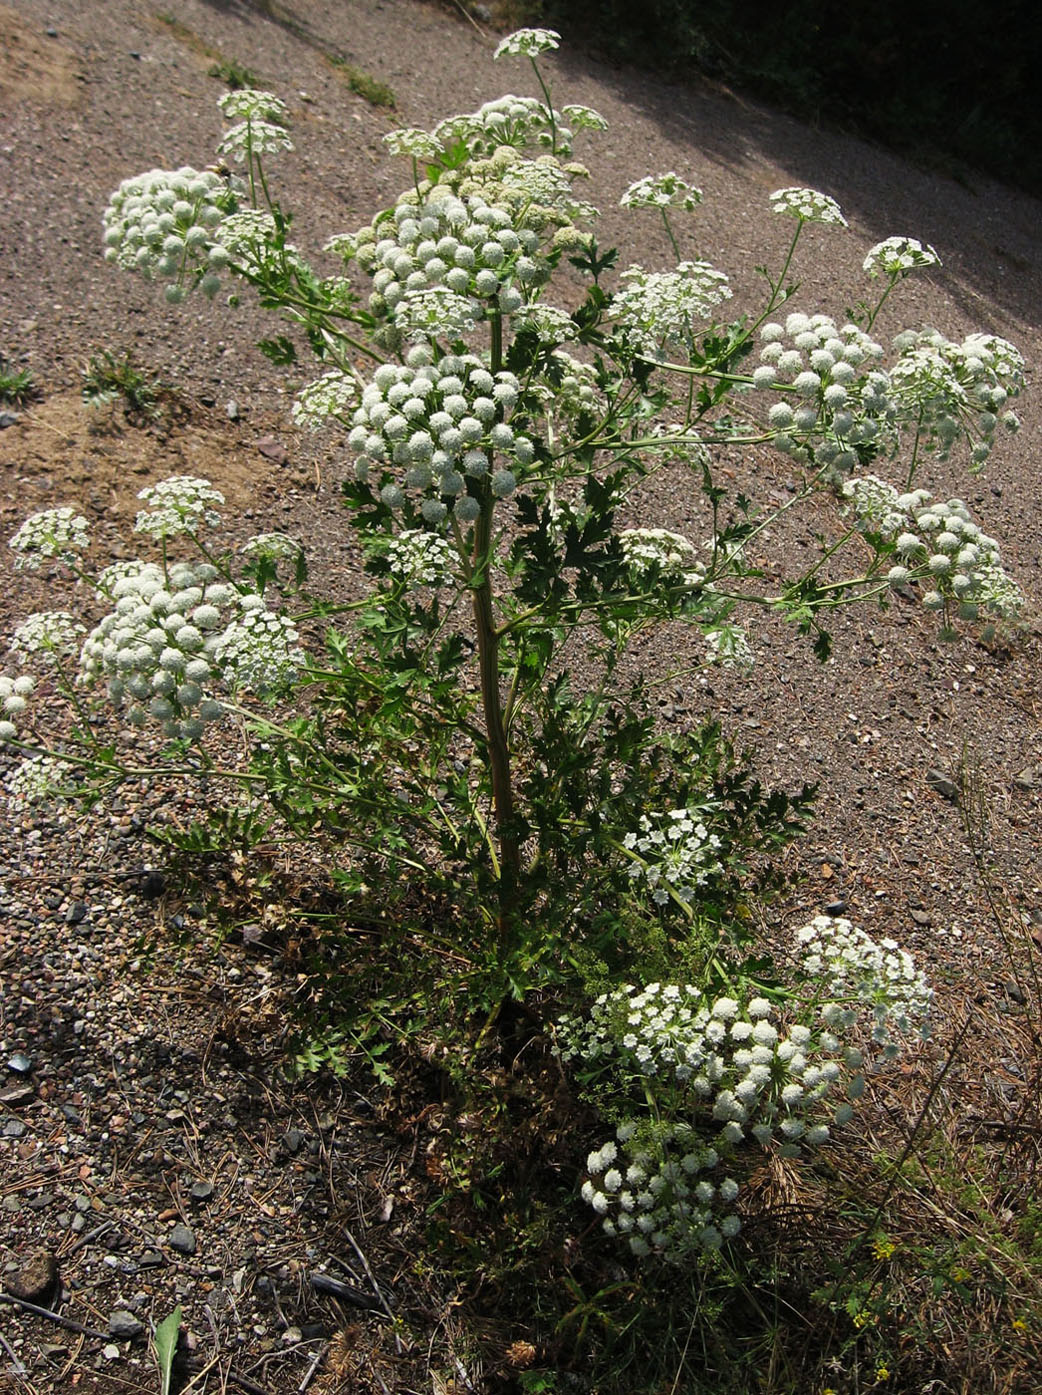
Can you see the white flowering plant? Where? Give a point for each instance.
(492, 473)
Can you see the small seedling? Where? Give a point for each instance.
(363, 84)
(108, 376)
(234, 75)
(16, 387)
(165, 1349)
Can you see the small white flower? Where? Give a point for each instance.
(808, 205)
(527, 43)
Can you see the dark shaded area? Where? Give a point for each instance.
(949, 84)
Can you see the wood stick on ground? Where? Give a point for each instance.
(55, 1317)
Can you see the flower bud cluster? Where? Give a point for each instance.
(156, 647)
(939, 541)
(162, 224)
(950, 390)
(662, 191)
(14, 694)
(897, 256)
(721, 1073)
(656, 309)
(36, 779)
(518, 122)
(59, 533)
(836, 400)
(273, 547)
(180, 504)
(52, 634)
(471, 249)
(674, 853)
(859, 973)
(441, 425)
(419, 558)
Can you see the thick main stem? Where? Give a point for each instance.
(492, 706)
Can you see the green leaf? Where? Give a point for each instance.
(280, 351)
(165, 1343)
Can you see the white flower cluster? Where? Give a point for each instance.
(808, 205)
(419, 558)
(52, 634)
(180, 504)
(162, 224)
(552, 326)
(897, 256)
(244, 236)
(36, 779)
(728, 646)
(272, 547)
(948, 390)
(841, 400)
(662, 191)
(332, 395)
(517, 122)
(673, 852)
(261, 124)
(443, 424)
(527, 43)
(483, 248)
(14, 693)
(60, 533)
(860, 973)
(721, 1074)
(659, 308)
(669, 556)
(156, 646)
(258, 651)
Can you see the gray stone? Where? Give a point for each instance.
(942, 785)
(125, 1325)
(201, 1191)
(182, 1240)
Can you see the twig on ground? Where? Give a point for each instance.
(309, 1374)
(54, 1317)
(376, 1287)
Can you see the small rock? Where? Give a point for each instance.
(151, 1259)
(20, 1063)
(837, 907)
(201, 1191)
(11, 1204)
(110, 1352)
(9, 419)
(124, 1325)
(231, 411)
(182, 1240)
(51, 33)
(292, 1335)
(207, 399)
(1027, 778)
(35, 1280)
(292, 1140)
(939, 782)
(14, 1128)
(17, 1094)
(273, 450)
(1015, 992)
(923, 918)
(153, 884)
(76, 913)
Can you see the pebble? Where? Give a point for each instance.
(942, 785)
(231, 411)
(9, 419)
(182, 1240)
(125, 1325)
(201, 1191)
(35, 1279)
(20, 1063)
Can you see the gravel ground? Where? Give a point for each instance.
(150, 1144)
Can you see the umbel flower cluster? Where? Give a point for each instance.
(178, 635)
(435, 430)
(714, 1076)
(841, 406)
(939, 543)
(674, 853)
